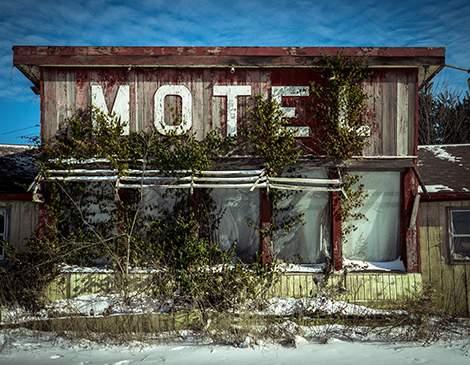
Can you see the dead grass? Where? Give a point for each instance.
(246, 323)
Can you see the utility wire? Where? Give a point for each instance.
(21, 129)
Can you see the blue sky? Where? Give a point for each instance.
(389, 23)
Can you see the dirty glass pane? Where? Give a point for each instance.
(98, 203)
(378, 238)
(309, 243)
(461, 247)
(2, 223)
(460, 225)
(238, 206)
(461, 222)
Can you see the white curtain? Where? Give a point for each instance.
(377, 239)
(239, 206)
(309, 243)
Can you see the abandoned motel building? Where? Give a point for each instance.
(418, 209)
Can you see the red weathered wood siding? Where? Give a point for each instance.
(390, 107)
(390, 110)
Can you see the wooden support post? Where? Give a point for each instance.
(409, 220)
(265, 224)
(336, 229)
(195, 198)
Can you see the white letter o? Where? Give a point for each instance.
(159, 107)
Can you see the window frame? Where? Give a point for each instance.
(453, 259)
(5, 234)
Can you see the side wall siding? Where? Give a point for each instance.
(451, 281)
(24, 216)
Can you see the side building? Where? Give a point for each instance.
(18, 213)
(445, 223)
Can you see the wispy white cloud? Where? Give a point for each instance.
(238, 22)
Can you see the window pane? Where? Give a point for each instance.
(239, 206)
(378, 238)
(2, 222)
(461, 222)
(98, 205)
(308, 243)
(461, 247)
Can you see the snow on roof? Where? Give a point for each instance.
(445, 168)
(441, 152)
(17, 168)
(8, 149)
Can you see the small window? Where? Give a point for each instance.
(3, 231)
(459, 234)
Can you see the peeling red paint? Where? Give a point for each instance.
(270, 56)
(409, 237)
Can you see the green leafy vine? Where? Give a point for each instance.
(340, 104)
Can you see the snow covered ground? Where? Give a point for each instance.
(358, 347)
(24, 349)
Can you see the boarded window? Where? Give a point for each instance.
(459, 234)
(309, 243)
(378, 238)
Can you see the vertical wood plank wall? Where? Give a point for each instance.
(391, 102)
(354, 287)
(24, 217)
(451, 281)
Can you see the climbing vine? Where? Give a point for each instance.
(275, 146)
(340, 104)
(92, 140)
(129, 236)
(270, 140)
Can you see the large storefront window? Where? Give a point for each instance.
(377, 238)
(309, 243)
(239, 206)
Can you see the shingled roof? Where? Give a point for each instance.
(17, 168)
(445, 168)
